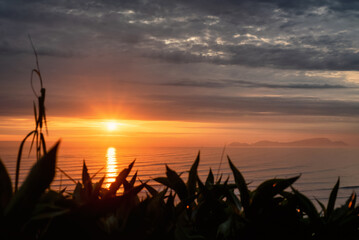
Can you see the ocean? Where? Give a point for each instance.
(319, 168)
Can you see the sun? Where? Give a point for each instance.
(111, 126)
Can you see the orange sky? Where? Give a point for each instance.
(169, 133)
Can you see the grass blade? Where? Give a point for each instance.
(68, 176)
(220, 163)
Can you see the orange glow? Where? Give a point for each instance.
(111, 126)
(117, 132)
(111, 166)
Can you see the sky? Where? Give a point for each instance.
(191, 73)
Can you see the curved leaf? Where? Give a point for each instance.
(176, 183)
(18, 161)
(324, 210)
(305, 205)
(97, 188)
(270, 188)
(119, 180)
(39, 178)
(242, 187)
(192, 176)
(332, 198)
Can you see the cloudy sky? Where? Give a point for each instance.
(200, 72)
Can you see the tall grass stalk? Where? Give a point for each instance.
(40, 119)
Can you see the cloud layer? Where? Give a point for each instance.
(215, 59)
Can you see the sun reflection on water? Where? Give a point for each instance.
(111, 166)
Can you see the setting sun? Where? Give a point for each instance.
(111, 126)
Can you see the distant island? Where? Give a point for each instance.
(311, 142)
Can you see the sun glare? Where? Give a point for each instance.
(111, 126)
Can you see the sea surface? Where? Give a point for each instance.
(319, 168)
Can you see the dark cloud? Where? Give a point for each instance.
(251, 84)
(162, 29)
(220, 107)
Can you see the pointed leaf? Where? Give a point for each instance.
(78, 193)
(119, 180)
(170, 201)
(39, 178)
(126, 185)
(192, 176)
(98, 171)
(210, 178)
(135, 190)
(324, 210)
(351, 201)
(226, 182)
(5, 188)
(133, 179)
(86, 180)
(242, 187)
(219, 179)
(332, 198)
(176, 183)
(129, 185)
(97, 188)
(200, 184)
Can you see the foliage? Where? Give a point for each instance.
(189, 209)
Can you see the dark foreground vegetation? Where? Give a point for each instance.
(191, 209)
(181, 210)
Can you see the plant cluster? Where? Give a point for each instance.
(190, 209)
